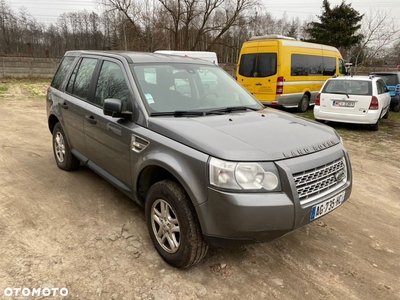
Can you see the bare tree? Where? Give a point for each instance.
(379, 30)
(187, 23)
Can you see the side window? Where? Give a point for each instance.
(111, 84)
(329, 66)
(307, 65)
(62, 71)
(381, 86)
(342, 67)
(79, 82)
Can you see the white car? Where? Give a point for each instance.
(355, 99)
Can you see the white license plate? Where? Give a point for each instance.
(343, 103)
(323, 208)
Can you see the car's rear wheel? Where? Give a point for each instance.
(387, 114)
(303, 104)
(375, 127)
(173, 225)
(62, 153)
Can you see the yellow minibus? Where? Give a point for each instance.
(282, 71)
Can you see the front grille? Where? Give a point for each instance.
(313, 183)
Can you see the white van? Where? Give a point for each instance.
(206, 55)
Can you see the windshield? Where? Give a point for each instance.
(389, 79)
(189, 87)
(348, 87)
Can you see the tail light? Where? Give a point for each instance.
(374, 105)
(318, 99)
(279, 85)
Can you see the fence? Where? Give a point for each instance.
(20, 67)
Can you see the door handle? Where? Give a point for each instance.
(258, 83)
(91, 120)
(64, 105)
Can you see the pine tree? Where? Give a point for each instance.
(338, 26)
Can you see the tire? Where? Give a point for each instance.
(303, 104)
(396, 108)
(387, 114)
(62, 153)
(176, 235)
(375, 127)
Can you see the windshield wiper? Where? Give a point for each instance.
(177, 113)
(231, 109)
(343, 93)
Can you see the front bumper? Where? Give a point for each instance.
(230, 218)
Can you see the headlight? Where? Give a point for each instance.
(243, 176)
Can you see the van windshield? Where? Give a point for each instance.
(258, 65)
(190, 87)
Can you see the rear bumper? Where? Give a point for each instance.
(370, 117)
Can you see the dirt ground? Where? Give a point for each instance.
(74, 230)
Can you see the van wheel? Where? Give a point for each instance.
(62, 153)
(173, 225)
(303, 104)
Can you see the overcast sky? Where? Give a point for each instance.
(48, 10)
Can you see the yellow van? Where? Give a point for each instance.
(282, 71)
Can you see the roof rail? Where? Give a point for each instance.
(271, 37)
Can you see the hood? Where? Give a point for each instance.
(249, 136)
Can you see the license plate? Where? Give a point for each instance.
(323, 208)
(343, 103)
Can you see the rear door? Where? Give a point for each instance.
(74, 103)
(265, 81)
(351, 97)
(247, 66)
(383, 95)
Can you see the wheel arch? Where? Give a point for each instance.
(166, 167)
(52, 121)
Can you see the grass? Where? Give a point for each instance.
(3, 88)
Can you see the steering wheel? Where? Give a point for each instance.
(204, 100)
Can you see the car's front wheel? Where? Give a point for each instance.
(173, 225)
(62, 153)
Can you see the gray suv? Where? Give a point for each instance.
(209, 164)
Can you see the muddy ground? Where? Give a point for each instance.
(74, 230)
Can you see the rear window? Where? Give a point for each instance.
(258, 65)
(350, 87)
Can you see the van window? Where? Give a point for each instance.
(258, 65)
(247, 65)
(329, 66)
(305, 65)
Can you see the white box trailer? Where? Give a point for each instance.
(205, 55)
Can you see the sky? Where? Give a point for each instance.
(47, 11)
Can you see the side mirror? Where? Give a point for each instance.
(114, 108)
